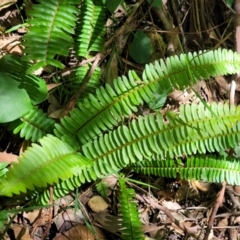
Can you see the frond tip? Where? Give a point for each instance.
(206, 168)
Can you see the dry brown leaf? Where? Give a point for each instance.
(55, 108)
(81, 232)
(97, 204)
(200, 185)
(6, 3)
(107, 221)
(20, 232)
(173, 206)
(52, 86)
(8, 157)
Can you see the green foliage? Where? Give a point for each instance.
(206, 168)
(141, 41)
(196, 129)
(39, 166)
(111, 5)
(51, 27)
(102, 188)
(14, 100)
(90, 31)
(108, 106)
(155, 3)
(16, 68)
(35, 124)
(129, 221)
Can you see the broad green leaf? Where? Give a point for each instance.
(229, 3)
(3, 219)
(14, 102)
(155, 3)
(34, 86)
(140, 48)
(111, 5)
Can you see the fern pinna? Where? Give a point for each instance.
(42, 165)
(35, 125)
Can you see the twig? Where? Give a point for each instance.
(217, 204)
(153, 203)
(49, 215)
(71, 103)
(232, 93)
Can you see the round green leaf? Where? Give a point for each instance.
(155, 3)
(140, 48)
(14, 102)
(36, 87)
(111, 5)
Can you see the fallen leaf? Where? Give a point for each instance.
(81, 232)
(97, 204)
(52, 86)
(6, 3)
(8, 157)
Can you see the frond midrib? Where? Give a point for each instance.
(206, 119)
(139, 87)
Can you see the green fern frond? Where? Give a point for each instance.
(131, 228)
(90, 31)
(51, 27)
(42, 165)
(101, 111)
(195, 129)
(35, 124)
(206, 168)
(107, 107)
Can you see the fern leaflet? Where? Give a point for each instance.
(129, 221)
(39, 166)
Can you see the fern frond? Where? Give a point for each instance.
(129, 221)
(90, 31)
(51, 27)
(195, 129)
(107, 107)
(101, 111)
(42, 165)
(35, 124)
(206, 168)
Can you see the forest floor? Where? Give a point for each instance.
(177, 27)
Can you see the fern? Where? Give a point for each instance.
(51, 27)
(40, 166)
(90, 31)
(107, 107)
(35, 124)
(129, 221)
(206, 168)
(195, 129)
